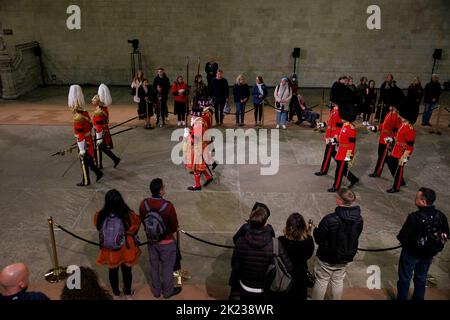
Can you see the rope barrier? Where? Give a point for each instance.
(206, 241)
(77, 236)
(380, 250)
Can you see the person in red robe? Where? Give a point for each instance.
(194, 149)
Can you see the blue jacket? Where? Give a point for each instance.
(256, 93)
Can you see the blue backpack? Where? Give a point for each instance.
(154, 226)
(112, 234)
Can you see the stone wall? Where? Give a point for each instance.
(246, 36)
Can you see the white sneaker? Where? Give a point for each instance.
(284, 127)
(179, 123)
(183, 123)
(278, 126)
(160, 125)
(365, 123)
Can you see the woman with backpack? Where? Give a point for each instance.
(299, 246)
(118, 225)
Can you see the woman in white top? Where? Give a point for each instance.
(137, 82)
(283, 95)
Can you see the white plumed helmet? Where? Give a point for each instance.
(76, 97)
(105, 95)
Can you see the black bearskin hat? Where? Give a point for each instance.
(347, 110)
(408, 112)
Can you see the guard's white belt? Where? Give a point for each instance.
(252, 290)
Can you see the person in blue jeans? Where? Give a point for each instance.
(241, 93)
(432, 93)
(418, 247)
(283, 95)
(259, 93)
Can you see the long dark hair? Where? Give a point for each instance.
(296, 228)
(114, 203)
(90, 288)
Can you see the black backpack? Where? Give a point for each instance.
(431, 239)
(346, 241)
(154, 226)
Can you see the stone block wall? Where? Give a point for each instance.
(250, 37)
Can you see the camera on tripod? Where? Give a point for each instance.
(135, 44)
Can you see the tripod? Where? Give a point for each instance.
(135, 55)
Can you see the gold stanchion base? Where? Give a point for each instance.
(181, 275)
(56, 275)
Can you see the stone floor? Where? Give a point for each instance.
(35, 185)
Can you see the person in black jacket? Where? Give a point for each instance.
(218, 90)
(211, 68)
(146, 99)
(162, 80)
(299, 246)
(252, 256)
(233, 282)
(385, 97)
(432, 93)
(422, 236)
(415, 95)
(337, 237)
(339, 89)
(241, 93)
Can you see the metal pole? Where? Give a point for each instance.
(57, 273)
(133, 71)
(139, 60)
(181, 274)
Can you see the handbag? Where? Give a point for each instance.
(278, 278)
(226, 108)
(310, 278)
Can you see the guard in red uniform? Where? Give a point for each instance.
(194, 148)
(388, 130)
(82, 126)
(403, 147)
(103, 139)
(346, 147)
(334, 126)
(207, 118)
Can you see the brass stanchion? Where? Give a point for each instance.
(57, 273)
(437, 122)
(182, 274)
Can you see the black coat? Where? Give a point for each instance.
(150, 95)
(299, 252)
(413, 226)
(218, 89)
(211, 70)
(164, 83)
(241, 92)
(252, 256)
(340, 92)
(432, 90)
(326, 235)
(387, 91)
